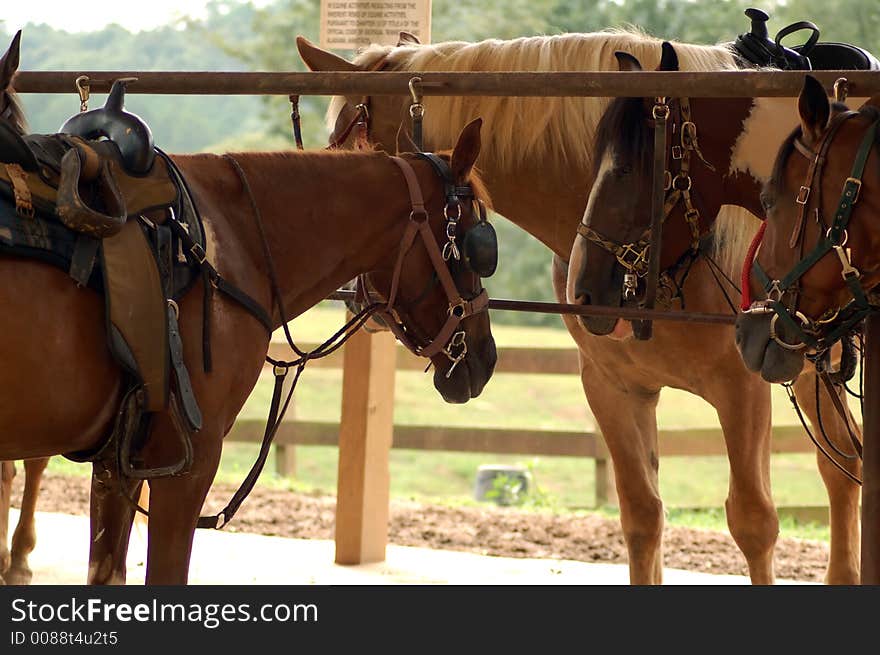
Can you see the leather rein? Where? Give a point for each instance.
(821, 333)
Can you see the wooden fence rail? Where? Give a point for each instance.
(715, 84)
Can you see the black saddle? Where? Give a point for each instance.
(755, 48)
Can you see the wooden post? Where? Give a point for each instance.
(365, 434)
(606, 490)
(870, 572)
(285, 460)
(285, 454)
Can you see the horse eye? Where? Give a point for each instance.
(767, 201)
(624, 169)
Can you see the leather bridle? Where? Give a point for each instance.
(633, 256)
(835, 323)
(449, 340)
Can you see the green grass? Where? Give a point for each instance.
(545, 402)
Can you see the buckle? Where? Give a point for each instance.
(858, 184)
(676, 152)
(199, 253)
(803, 195)
(639, 259)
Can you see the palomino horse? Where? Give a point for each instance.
(540, 172)
(818, 257)
(712, 161)
(14, 567)
(286, 229)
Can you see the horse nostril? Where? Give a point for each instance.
(582, 296)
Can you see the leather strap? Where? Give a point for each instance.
(24, 205)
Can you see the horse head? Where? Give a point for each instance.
(609, 257)
(435, 301)
(818, 254)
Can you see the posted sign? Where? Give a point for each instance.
(350, 24)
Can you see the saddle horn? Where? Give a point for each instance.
(128, 131)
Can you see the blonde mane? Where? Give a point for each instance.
(518, 128)
(558, 130)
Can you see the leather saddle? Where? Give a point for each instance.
(101, 201)
(755, 48)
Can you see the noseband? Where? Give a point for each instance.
(449, 340)
(634, 256)
(819, 334)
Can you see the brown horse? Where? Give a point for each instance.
(327, 217)
(540, 173)
(819, 255)
(14, 567)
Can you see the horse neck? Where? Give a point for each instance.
(548, 206)
(722, 125)
(767, 125)
(327, 218)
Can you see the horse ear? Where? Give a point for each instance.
(626, 63)
(9, 61)
(814, 108)
(407, 38)
(466, 150)
(322, 60)
(668, 58)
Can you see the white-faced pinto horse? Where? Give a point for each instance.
(279, 233)
(540, 167)
(14, 567)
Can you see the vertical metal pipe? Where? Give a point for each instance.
(644, 329)
(871, 456)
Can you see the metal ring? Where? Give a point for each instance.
(845, 236)
(457, 310)
(775, 337)
(174, 307)
(683, 176)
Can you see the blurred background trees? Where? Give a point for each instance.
(237, 36)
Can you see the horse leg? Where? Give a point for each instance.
(628, 422)
(111, 512)
(7, 473)
(745, 423)
(175, 505)
(24, 539)
(843, 493)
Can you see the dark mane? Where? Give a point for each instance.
(12, 111)
(623, 129)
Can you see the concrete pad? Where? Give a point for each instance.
(61, 557)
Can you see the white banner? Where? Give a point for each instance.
(351, 24)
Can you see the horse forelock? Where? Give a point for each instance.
(555, 129)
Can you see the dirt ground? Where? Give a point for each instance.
(488, 530)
